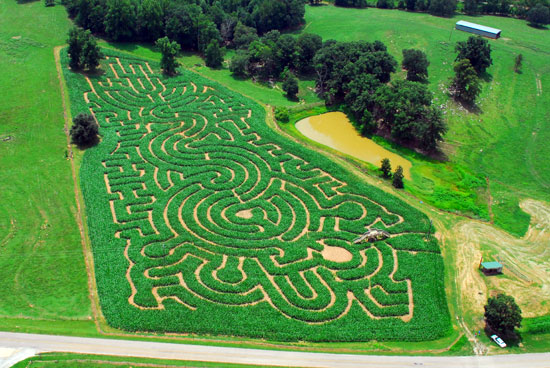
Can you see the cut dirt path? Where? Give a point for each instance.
(47, 343)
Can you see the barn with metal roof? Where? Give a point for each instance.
(478, 29)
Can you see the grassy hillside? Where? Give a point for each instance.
(42, 273)
(505, 141)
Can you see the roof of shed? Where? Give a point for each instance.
(491, 265)
(477, 26)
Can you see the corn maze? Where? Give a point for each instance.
(205, 221)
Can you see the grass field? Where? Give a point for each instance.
(61, 360)
(42, 268)
(196, 208)
(504, 142)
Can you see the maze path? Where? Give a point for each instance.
(210, 211)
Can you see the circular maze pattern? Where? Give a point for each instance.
(210, 207)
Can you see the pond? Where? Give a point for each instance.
(334, 129)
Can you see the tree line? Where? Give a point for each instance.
(193, 24)
(536, 12)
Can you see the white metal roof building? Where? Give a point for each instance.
(478, 29)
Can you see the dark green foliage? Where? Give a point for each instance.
(411, 5)
(518, 62)
(477, 50)
(225, 270)
(466, 85)
(48, 3)
(239, 64)
(351, 3)
(442, 8)
(244, 36)
(471, 7)
(416, 64)
(282, 115)
(169, 50)
(385, 167)
(214, 55)
(502, 314)
(397, 181)
(384, 4)
(151, 20)
(84, 130)
(539, 15)
(290, 85)
(120, 19)
(83, 50)
(308, 45)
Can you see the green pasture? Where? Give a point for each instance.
(42, 271)
(504, 142)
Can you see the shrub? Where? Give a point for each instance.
(84, 130)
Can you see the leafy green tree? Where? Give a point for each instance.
(244, 36)
(416, 64)
(75, 41)
(502, 314)
(307, 46)
(48, 3)
(169, 50)
(442, 8)
(120, 19)
(151, 19)
(290, 85)
(477, 50)
(471, 7)
(538, 15)
(91, 53)
(286, 52)
(207, 32)
(214, 55)
(410, 4)
(397, 181)
(386, 168)
(518, 62)
(84, 130)
(239, 64)
(466, 85)
(84, 53)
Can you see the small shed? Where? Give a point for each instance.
(478, 29)
(491, 268)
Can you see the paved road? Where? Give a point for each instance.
(43, 343)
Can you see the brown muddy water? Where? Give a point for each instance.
(334, 129)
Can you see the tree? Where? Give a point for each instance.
(442, 8)
(169, 50)
(49, 3)
(502, 314)
(386, 168)
(239, 64)
(539, 15)
(416, 64)
(214, 55)
(84, 130)
(244, 36)
(410, 4)
(151, 19)
(120, 19)
(518, 63)
(74, 51)
(471, 7)
(466, 85)
(84, 53)
(477, 50)
(307, 46)
(290, 85)
(91, 53)
(397, 181)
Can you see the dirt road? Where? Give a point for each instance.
(45, 343)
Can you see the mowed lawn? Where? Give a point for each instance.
(506, 141)
(42, 270)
